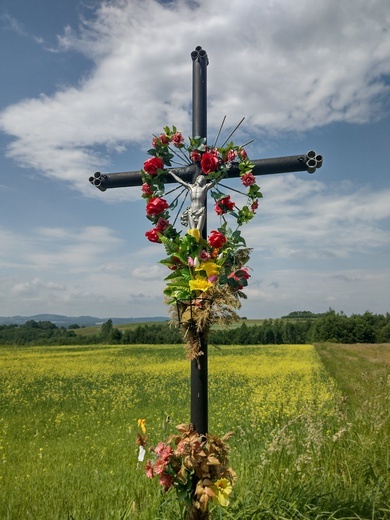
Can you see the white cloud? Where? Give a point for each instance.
(285, 66)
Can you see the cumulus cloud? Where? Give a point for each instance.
(283, 65)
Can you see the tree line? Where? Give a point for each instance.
(329, 326)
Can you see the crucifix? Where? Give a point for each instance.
(190, 176)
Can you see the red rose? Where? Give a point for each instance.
(224, 205)
(231, 155)
(156, 206)
(152, 165)
(152, 235)
(177, 139)
(147, 190)
(216, 239)
(196, 156)
(209, 163)
(248, 179)
(255, 205)
(243, 154)
(162, 224)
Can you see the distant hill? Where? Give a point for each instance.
(82, 321)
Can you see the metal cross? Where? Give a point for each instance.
(306, 162)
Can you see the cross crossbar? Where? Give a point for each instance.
(308, 162)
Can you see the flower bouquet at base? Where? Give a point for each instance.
(195, 466)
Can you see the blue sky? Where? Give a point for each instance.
(86, 83)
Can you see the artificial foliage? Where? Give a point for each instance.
(207, 274)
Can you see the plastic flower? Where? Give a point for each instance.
(248, 179)
(224, 205)
(199, 284)
(156, 206)
(209, 163)
(142, 425)
(153, 235)
(210, 267)
(194, 232)
(222, 489)
(151, 166)
(216, 239)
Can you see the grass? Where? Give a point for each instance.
(310, 442)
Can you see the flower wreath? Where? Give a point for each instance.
(203, 270)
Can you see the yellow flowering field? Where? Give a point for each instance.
(69, 421)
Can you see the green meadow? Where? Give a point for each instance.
(311, 430)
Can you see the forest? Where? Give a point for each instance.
(299, 327)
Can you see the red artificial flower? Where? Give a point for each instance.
(255, 205)
(240, 276)
(149, 469)
(195, 156)
(231, 155)
(248, 179)
(162, 139)
(224, 205)
(156, 206)
(209, 163)
(162, 224)
(243, 154)
(166, 481)
(153, 235)
(177, 139)
(216, 239)
(152, 165)
(147, 189)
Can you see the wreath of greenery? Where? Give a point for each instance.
(202, 270)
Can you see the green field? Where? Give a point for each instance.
(311, 430)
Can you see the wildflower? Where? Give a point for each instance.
(222, 489)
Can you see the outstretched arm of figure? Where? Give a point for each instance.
(179, 180)
(211, 184)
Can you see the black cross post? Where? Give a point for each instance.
(296, 163)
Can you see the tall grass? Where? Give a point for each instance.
(301, 449)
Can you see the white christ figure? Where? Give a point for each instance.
(195, 215)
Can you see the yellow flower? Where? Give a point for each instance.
(222, 489)
(194, 232)
(209, 266)
(200, 284)
(142, 425)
